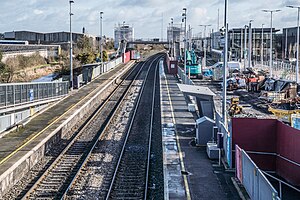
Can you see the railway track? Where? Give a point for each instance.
(53, 183)
(95, 177)
(130, 179)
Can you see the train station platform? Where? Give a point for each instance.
(23, 148)
(188, 173)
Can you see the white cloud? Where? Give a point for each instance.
(146, 15)
(38, 12)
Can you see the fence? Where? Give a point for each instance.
(280, 70)
(14, 94)
(256, 184)
(185, 79)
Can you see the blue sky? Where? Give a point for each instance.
(144, 15)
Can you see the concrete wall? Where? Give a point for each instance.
(43, 53)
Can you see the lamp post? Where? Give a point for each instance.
(71, 46)
(250, 45)
(245, 47)
(205, 43)
(172, 39)
(101, 45)
(224, 110)
(271, 39)
(262, 45)
(185, 41)
(297, 56)
(124, 35)
(241, 44)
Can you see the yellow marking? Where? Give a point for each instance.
(39, 133)
(186, 184)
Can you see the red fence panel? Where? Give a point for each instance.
(126, 57)
(238, 163)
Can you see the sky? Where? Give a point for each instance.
(146, 16)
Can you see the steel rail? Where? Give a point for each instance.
(73, 140)
(100, 136)
(129, 130)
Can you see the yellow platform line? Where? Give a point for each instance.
(39, 133)
(186, 184)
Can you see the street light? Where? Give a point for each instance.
(245, 47)
(124, 35)
(205, 42)
(297, 56)
(185, 41)
(101, 45)
(250, 44)
(71, 47)
(271, 39)
(262, 45)
(224, 110)
(172, 39)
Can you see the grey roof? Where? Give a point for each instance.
(204, 119)
(196, 90)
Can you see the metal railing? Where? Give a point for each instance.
(255, 182)
(280, 184)
(15, 94)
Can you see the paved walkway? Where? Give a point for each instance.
(189, 174)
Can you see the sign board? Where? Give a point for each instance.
(31, 95)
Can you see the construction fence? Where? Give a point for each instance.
(256, 184)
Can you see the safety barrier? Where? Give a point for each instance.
(185, 79)
(256, 184)
(15, 94)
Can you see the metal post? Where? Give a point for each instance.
(250, 45)
(224, 110)
(262, 45)
(205, 44)
(172, 39)
(245, 47)
(71, 47)
(280, 190)
(241, 44)
(285, 50)
(101, 45)
(271, 40)
(185, 43)
(271, 46)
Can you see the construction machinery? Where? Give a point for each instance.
(235, 108)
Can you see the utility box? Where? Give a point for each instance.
(172, 67)
(212, 151)
(204, 130)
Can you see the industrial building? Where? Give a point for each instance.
(289, 43)
(42, 38)
(236, 42)
(123, 32)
